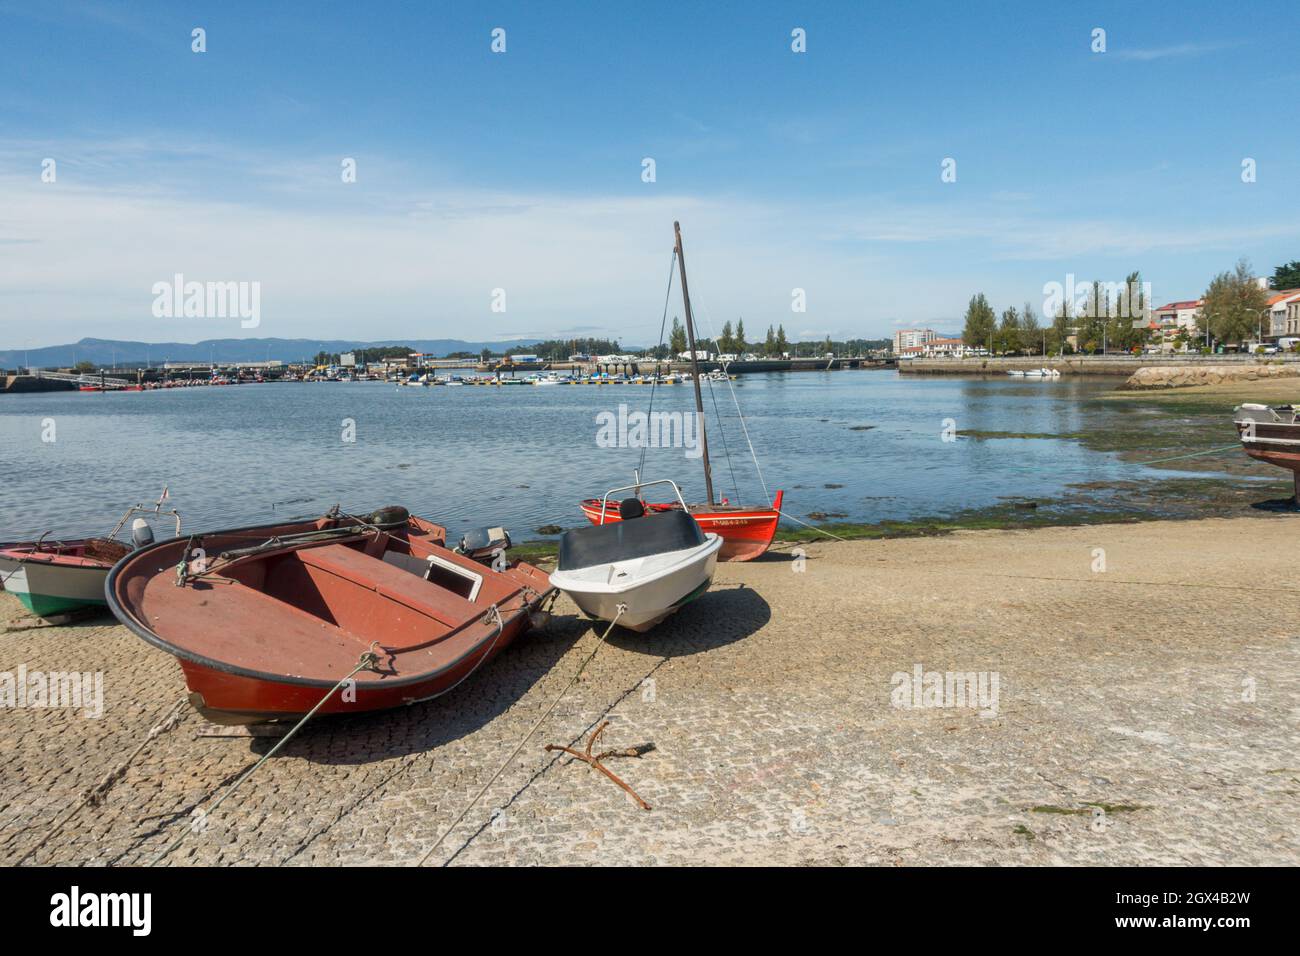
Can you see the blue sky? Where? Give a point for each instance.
(522, 171)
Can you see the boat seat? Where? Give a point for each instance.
(255, 629)
(623, 540)
(391, 581)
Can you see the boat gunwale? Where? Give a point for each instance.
(49, 562)
(592, 506)
(688, 555)
(142, 631)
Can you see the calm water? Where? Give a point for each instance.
(524, 456)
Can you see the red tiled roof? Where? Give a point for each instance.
(1180, 306)
(1283, 296)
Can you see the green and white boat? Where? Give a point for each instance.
(53, 577)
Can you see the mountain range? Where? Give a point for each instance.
(109, 352)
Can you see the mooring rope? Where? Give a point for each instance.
(95, 794)
(812, 527)
(708, 317)
(368, 659)
(1195, 454)
(722, 433)
(514, 753)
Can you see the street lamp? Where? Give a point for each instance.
(1259, 336)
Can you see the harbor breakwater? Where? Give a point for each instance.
(1125, 365)
(29, 383)
(1186, 377)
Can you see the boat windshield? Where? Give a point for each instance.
(624, 540)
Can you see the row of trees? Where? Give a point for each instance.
(1235, 310)
(730, 342)
(557, 350)
(1095, 319)
(1014, 330)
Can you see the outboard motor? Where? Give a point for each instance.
(141, 533)
(483, 544)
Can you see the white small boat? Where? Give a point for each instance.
(647, 565)
(1016, 373)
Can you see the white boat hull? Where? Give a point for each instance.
(650, 588)
(51, 588)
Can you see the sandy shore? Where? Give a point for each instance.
(1162, 692)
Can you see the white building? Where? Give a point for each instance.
(1283, 318)
(913, 338)
(941, 347)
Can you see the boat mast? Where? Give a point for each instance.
(695, 365)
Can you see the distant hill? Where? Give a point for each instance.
(108, 351)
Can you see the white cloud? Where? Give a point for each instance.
(393, 256)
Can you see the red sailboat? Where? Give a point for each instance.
(746, 532)
(266, 621)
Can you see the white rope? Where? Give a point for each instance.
(514, 753)
(95, 794)
(812, 526)
(708, 318)
(367, 660)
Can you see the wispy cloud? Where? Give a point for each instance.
(1172, 52)
(398, 254)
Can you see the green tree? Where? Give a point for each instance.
(1007, 338)
(1232, 305)
(829, 347)
(1286, 276)
(741, 344)
(1031, 333)
(1090, 329)
(677, 337)
(1058, 338)
(782, 345)
(726, 341)
(980, 320)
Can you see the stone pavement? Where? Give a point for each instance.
(1147, 713)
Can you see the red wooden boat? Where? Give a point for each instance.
(745, 532)
(265, 621)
